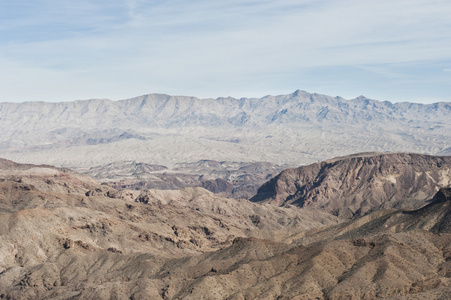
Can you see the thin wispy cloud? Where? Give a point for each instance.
(120, 49)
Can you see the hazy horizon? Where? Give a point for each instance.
(215, 98)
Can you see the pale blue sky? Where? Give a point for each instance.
(63, 50)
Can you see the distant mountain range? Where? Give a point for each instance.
(293, 129)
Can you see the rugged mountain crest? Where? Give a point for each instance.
(157, 110)
(354, 185)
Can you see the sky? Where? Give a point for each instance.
(64, 50)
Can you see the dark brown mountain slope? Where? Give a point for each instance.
(353, 185)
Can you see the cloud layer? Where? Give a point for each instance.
(66, 50)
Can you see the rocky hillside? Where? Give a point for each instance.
(52, 215)
(65, 236)
(293, 129)
(353, 185)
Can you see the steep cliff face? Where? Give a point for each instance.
(354, 185)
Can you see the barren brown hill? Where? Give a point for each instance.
(353, 185)
(63, 225)
(387, 254)
(91, 242)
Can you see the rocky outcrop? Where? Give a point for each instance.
(354, 185)
(218, 186)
